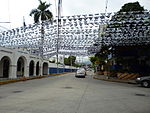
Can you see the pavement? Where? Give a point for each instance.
(68, 94)
(96, 76)
(112, 79)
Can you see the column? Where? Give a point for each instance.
(13, 71)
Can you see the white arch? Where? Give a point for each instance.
(21, 66)
(37, 68)
(45, 68)
(31, 68)
(14, 55)
(5, 63)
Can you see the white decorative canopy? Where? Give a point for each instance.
(78, 34)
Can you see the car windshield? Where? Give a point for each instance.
(82, 69)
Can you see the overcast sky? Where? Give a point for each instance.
(14, 10)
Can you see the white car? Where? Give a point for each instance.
(80, 73)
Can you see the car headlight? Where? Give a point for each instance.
(138, 78)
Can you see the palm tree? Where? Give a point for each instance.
(41, 14)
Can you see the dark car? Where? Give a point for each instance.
(144, 81)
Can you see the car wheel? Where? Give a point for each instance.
(146, 83)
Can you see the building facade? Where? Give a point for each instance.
(16, 63)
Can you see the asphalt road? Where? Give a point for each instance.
(67, 94)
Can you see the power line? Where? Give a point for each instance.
(3, 27)
(9, 13)
(106, 3)
(4, 22)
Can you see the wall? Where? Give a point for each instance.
(14, 55)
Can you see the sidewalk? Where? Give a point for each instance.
(112, 79)
(12, 80)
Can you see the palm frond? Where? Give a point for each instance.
(33, 11)
(49, 15)
(43, 16)
(40, 1)
(36, 17)
(42, 13)
(47, 6)
(43, 6)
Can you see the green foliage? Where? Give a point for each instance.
(115, 23)
(135, 6)
(93, 59)
(125, 16)
(66, 61)
(42, 12)
(103, 53)
(101, 56)
(120, 20)
(70, 60)
(77, 65)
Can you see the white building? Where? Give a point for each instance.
(19, 62)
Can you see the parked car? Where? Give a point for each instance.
(144, 81)
(80, 73)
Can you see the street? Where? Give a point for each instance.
(67, 94)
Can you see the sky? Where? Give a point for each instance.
(13, 11)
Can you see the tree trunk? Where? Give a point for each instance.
(42, 39)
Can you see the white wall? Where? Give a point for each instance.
(14, 54)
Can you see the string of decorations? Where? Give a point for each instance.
(79, 33)
(127, 29)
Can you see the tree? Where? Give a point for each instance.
(42, 13)
(120, 30)
(125, 31)
(66, 61)
(70, 60)
(125, 23)
(93, 59)
(123, 14)
(135, 6)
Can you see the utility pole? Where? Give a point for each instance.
(58, 29)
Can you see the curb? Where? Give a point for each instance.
(57, 74)
(9, 81)
(20, 79)
(110, 80)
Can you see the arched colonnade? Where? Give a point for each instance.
(18, 63)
